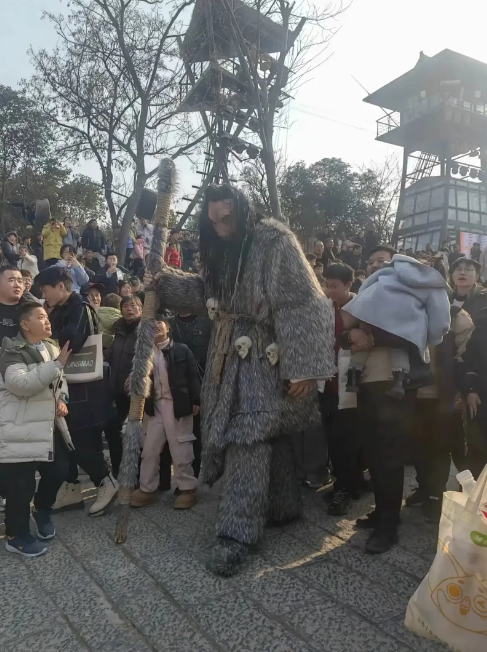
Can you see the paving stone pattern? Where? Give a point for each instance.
(308, 588)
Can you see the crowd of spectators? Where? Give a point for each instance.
(70, 285)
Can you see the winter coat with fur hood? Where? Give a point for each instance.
(30, 386)
(278, 300)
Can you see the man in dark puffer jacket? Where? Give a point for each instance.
(120, 356)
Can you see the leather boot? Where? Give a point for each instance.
(397, 390)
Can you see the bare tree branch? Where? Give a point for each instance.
(306, 29)
(111, 87)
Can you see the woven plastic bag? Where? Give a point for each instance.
(450, 604)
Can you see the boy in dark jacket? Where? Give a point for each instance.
(176, 399)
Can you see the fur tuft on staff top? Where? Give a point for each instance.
(167, 177)
(166, 186)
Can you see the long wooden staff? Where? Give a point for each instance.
(142, 363)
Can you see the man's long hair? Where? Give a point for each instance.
(224, 260)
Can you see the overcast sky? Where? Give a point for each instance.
(378, 41)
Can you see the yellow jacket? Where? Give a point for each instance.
(52, 241)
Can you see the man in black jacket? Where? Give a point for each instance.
(120, 356)
(111, 274)
(385, 425)
(474, 390)
(73, 320)
(93, 238)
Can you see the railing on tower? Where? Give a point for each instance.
(388, 122)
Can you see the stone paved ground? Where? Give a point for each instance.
(309, 588)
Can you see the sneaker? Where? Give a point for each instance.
(381, 541)
(107, 492)
(340, 505)
(44, 526)
(69, 497)
(26, 546)
(416, 499)
(186, 499)
(432, 509)
(2, 505)
(367, 522)
(143, 498)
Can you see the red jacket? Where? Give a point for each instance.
(172, 257)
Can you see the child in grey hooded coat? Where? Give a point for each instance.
(407, 299)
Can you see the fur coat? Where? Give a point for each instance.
(278, 300)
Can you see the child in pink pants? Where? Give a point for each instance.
(176, 389)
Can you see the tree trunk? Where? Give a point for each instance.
(128, 218)
(4, 196)
(270, 169)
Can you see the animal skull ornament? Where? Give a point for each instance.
(243, 346)
(272, 353)
(212, 306)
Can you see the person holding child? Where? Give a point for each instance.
(407, 300)
(385, 422)
(33, 432)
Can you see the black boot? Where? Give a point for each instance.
(340, 505)
(226, 556)
(417, 498)
(354, 378)
(381, 540)
(367, 522)
(397, 390)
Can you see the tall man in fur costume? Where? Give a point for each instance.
(257, 286)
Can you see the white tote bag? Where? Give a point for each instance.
(451, 602)
(86, 366)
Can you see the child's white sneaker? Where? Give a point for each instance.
(107, 492)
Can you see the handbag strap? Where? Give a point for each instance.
(93, 323)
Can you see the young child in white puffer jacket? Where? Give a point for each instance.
(33, 432)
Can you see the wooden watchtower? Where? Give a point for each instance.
(214, 86)
(438, 113)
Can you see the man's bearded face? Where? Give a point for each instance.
(220, 215)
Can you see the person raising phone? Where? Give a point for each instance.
(52, 233)
(77, 271)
